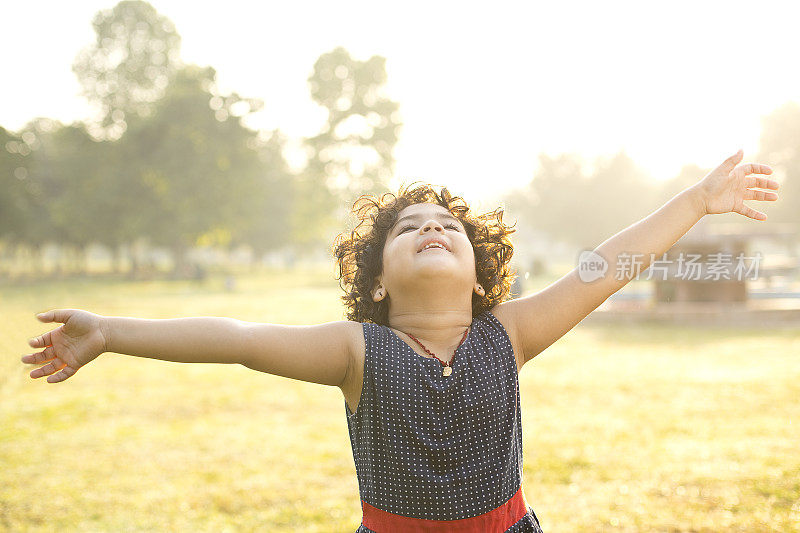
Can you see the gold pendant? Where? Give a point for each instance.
(447, 371)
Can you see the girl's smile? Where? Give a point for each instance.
(433, 243)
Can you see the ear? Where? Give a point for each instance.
(379, 292)
(479, 290)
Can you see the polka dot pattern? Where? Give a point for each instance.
(439, 447)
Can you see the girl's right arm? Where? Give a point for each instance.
(320, 354)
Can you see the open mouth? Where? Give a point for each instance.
(433, 246)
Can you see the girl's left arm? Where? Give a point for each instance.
(537, 321)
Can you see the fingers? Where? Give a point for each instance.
(61, 376)
(733, 160)
(55, 315)
(760, 195)
(42, 340)
(761, 183)
(752, 213)
(754, 168)
(743, 171)
(758, 168)
(53, 366)
(47, 316)
(38, 358)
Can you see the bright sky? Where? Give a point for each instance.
(482, 90)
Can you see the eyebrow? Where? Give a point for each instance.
(446, 216)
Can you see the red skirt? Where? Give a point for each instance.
(498, 519)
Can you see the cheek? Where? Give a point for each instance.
(473, 257)
(391, 256)
(467, 248)
(398, 246)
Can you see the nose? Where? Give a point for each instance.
(431, 225)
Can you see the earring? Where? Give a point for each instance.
(378, 295)
(479, 290)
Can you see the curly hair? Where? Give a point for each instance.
(359, 255)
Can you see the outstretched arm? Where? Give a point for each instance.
(539, 320)
(319, 353)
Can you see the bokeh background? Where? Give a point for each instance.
(172, 159)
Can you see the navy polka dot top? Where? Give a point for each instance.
(438, 447)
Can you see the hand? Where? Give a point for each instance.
(67, 348)
(726, 187)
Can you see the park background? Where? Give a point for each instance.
(175, 159)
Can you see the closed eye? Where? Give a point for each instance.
(452, 226)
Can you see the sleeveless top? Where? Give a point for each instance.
(437, 447)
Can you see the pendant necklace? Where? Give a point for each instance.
(448, 367)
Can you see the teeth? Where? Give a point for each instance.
(434, 245)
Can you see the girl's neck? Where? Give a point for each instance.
(439, 330)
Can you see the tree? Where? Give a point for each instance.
(198, 164)
(18, 190)
(130, 64)
(554, 192)
(688, 175)
(269, 225)
(617, 194)
(46, 184)
(72, 164)
(582, 209)
(352, 155)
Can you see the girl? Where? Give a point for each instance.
(428, 360)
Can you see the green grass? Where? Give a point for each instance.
(626, 428)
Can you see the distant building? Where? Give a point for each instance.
(715, 262)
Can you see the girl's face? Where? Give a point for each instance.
(407, 258)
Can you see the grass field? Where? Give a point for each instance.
(626, 428)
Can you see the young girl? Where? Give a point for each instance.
(428, 360)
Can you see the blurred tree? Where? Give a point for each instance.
(15, 202)
(779, 148)
(617, 194)
(268, 226)
(78, 192)
(199, 165)
(64, 205)
(583, 210)
(70, 165)
(44, 183)
(124, 202)
(688, 175)
(93, 199)
(352, 155)
(551, 201)
(130, 64)
(20, 193)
